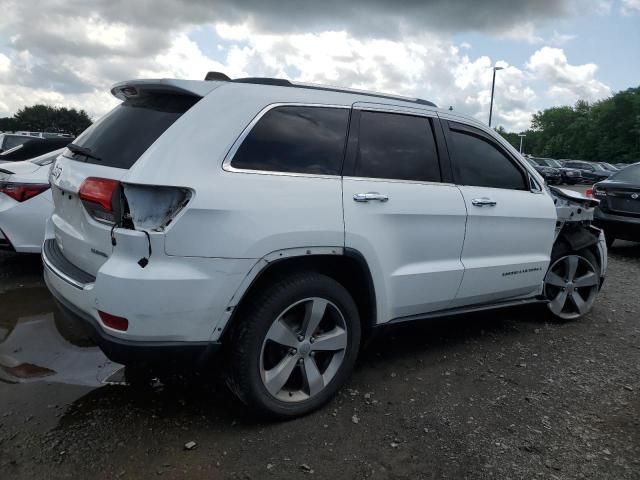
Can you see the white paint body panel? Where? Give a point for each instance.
(250, 215)
(412, 242)
(23, 222)
(507, 247)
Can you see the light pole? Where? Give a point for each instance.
(493, 87)
(521, 135)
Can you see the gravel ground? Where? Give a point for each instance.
(493, 395)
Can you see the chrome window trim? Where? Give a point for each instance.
(535, 186)
(397, 180)
(394, 109)
(226, 164)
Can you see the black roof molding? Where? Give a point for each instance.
(281, 82)
(278, 82)
(216, 76)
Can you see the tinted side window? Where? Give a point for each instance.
(480, 163)
(396, 146)
(296, 139)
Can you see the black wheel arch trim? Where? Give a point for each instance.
(267, 267)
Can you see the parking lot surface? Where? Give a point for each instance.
(492, 395)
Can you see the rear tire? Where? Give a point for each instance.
(293, 346)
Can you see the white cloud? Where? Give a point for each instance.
(68, 54)
(525, 31)
(559, 39)
(426, 66)
(567, 83)
(630, 6)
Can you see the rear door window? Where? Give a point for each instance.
(296, 139)
(396, 146)
(120, 137)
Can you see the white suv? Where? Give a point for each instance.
(285, 222)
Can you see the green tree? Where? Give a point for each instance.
(7, 124)
(607, 130)
(51, 119)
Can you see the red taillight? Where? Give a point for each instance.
(589, 193)
(99, 190)
(97, 195)
(113, 321)
(22, 191)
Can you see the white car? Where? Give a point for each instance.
(285, 222)
(25, 203)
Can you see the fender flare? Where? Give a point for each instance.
(263, 264)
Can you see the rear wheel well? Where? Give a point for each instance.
(350, 270)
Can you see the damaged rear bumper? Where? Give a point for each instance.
(173, 305)
(129, 352)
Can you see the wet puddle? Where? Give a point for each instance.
(40, 344)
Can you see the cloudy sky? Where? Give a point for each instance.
(69, 52)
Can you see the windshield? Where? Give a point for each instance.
(554, 163)
(630, 174)
(600, 168)
(12, 141)
(120, 137)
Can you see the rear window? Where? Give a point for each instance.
(120, 137)
(629, 174)
(11, 141)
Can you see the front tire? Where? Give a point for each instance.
(294, 346)
(572, 283)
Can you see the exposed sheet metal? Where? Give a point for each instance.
(572, 207)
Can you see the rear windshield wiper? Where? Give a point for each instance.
(83, 151)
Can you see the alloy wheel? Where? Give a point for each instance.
(303, 349)
(571, 286)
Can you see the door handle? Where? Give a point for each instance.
(365, 197)
(483, 202)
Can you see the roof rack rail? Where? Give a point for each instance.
(281, 82)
